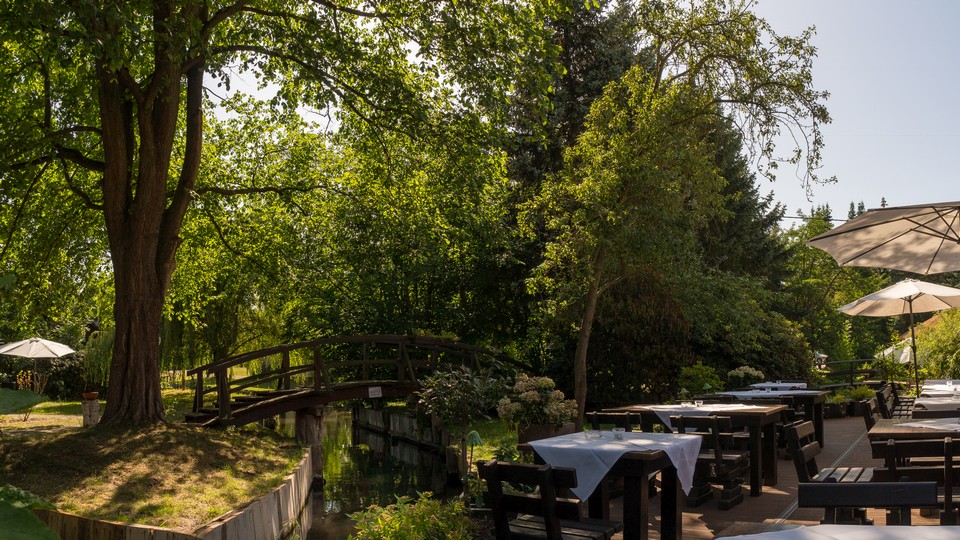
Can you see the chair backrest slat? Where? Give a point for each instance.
(544, 480)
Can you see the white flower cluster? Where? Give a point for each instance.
(535, 400)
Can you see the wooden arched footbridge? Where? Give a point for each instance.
(314, 373)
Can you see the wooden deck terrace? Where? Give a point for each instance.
(776, 508)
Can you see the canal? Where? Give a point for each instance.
(361, 468)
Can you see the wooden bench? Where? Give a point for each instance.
(902, 405)
(928, 460)
(886, 400)
(897, 497)
(871, 412)
(542, 513)
(804, 448)
(892, 404)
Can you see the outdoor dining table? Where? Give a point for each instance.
(811, 400)
(940, 388)
(856, 532)
(912, 428)
(779, 385)
(760, 421)
(635, 457)
(937, 405)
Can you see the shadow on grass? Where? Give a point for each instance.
(141, 474)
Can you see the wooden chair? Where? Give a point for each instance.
(922, 460)
(897, 497)
(626, 420)
(541, 514)
(871, 412)
(804, 447)
(717, 463)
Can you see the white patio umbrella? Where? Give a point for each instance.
(905, 297)
(36, 348)
(923, 239)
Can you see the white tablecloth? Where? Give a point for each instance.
(767, 394)
(778, 385)
(593, 458)
(937, 403)
(939, 389)
(859, 532)
(942, 424)
(666, 411)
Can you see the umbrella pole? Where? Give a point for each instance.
(913, 348)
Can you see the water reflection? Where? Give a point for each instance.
(362, 468)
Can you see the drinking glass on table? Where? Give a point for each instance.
(698, 403)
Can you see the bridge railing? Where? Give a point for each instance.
(327, 363)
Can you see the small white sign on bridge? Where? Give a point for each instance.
(375, 392)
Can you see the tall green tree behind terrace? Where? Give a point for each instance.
(54, 276)
(646, 160)
(96, 91)
(413, 237)
(817, 287)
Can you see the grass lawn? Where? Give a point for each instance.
(173, 475)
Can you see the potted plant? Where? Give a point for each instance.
(855, 395)
(537, 408)
(836, 405)
(97, 353)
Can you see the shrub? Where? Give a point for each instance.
(535, 400)
(459, 396)
(425, 519)
(699, 378)
(744, 376)
(860, 393)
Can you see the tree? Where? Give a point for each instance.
(645, 161)
(111, 96)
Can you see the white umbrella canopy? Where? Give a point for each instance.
(923, 239)
(36, 348)
(905, 297)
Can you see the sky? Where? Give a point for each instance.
(893, 72)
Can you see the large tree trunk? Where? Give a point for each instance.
(583, 341)
(133, 395)
(143, 207)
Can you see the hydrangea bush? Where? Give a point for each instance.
(536, 400)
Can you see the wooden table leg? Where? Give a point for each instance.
(770, 454)
(598, 504)
(636, 507)
(756, 461)
(671, 505)
(818, 422)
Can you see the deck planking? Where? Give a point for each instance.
(846, 444)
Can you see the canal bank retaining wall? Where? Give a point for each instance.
(281, 513)
(418, 434)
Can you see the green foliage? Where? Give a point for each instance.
(860, 393)
(938, 346)
(12, 401)
(839, 396)
(700, 378)
(459, 396)
(817, 287)
(96, 358)
(425, 519)
(19, 522)
(535, 400)
(66, 378)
